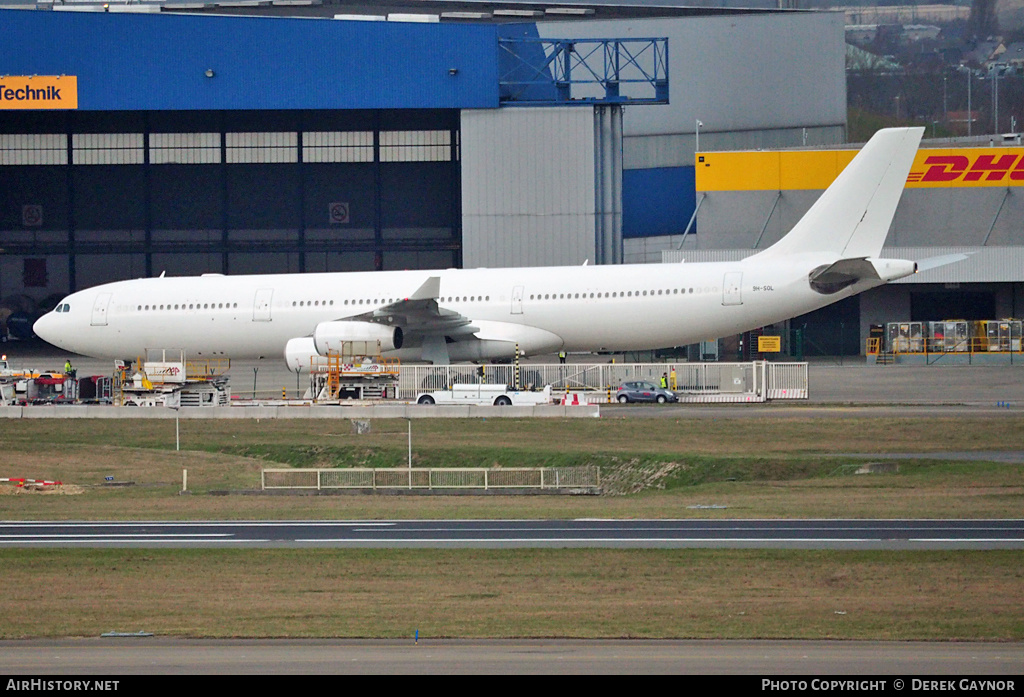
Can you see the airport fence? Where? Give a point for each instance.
(587, 477)
(754, 381)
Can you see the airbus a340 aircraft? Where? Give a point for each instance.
(476, 314)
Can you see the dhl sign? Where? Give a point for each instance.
(39, 92)
(789, 171)
(957, 168)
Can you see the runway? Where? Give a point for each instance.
(506, 534)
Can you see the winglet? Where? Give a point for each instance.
(430, 289)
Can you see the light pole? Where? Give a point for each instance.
(696, 148)
(970, 114)
(995, 101)
(945, 108)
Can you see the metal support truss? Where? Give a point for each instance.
(583, 71)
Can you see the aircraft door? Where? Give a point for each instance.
(517, 300)
(731, 285)
(99, 309)
(261, 305)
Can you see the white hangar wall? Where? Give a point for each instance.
(755, 81)
(528, 187)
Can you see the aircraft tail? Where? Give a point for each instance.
(852, 218)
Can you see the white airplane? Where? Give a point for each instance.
(477, 314)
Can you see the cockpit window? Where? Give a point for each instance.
(63, 307)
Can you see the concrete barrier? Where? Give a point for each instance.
(383, 411)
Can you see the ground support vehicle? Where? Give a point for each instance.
(485, 394)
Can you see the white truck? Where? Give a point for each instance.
(485, 394)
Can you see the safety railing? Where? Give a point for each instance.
(754, 381)
(586, 477)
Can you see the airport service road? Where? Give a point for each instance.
(162, 656)
(763, 534)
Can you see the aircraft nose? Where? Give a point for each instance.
(45, 327)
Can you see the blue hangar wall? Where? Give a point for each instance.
(248, 145)
(312, 145)
(138, 62)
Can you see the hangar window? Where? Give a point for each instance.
(262, 147)
(108, 148)
(33, 149)
(415, 146)
(184, 148)
(337, 146)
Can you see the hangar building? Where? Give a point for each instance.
(202, 139)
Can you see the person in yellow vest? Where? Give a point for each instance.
(561, 357)
(664, 381)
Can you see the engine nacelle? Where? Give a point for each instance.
(300, 354)
(356, 338)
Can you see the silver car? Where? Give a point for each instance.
(641, 391)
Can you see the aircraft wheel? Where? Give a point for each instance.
(426, 399)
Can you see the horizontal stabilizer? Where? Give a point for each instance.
(832, 278)
(842, 274)
(936, 262)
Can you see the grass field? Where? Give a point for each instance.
(518, 593)
(652, 467)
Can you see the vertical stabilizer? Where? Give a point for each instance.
(852, 218)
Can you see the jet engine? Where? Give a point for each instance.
(356, 337)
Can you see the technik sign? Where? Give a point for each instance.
(39, 92)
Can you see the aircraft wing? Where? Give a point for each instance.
(419, 314)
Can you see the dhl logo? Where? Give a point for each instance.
(815, 170)
(942, 169)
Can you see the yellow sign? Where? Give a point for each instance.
(794, 171)
(39, 92)
(769, 344)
